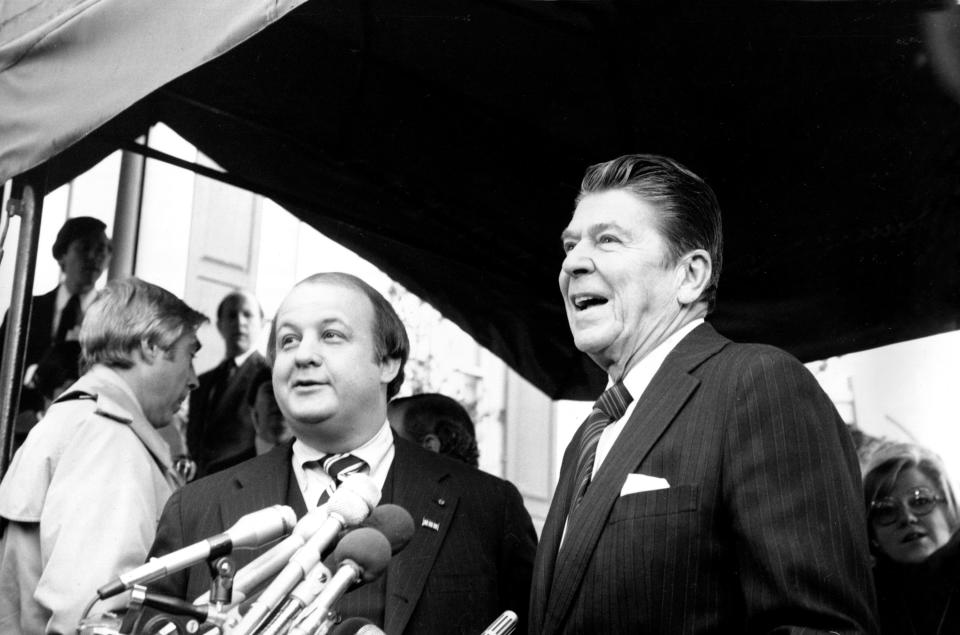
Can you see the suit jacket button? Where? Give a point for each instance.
(441, 502)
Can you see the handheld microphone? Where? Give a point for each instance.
(393, 521)
(250, 577)
(252, 530)
(363, 554)
(503, 625)
(266, 565)
(300, 597)
(170, 604)
(356, 626)
(346, 507)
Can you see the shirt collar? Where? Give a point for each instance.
(242, 357)
(638, 378)
(373, 451)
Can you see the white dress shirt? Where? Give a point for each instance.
(636, 382)
(377, 452)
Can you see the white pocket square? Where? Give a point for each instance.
(637, 483)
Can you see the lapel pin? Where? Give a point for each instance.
(430, 524)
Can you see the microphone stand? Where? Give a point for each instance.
(170, 610)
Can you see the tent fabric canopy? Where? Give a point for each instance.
(445, 142)
(68, 66)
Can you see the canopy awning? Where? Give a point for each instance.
(68, 66)
(444, 141)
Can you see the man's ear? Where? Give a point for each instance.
(693, 271)
(149, 352)
(389, 368)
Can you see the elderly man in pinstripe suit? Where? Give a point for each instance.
(714, 488)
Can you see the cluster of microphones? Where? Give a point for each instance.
(293, 587)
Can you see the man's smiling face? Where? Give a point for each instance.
(618, 280)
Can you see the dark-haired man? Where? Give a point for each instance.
(220, 430)
(714, 488)
(82, 250)
(338, 350)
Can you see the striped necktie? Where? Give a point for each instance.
(609, 407)
(339, 467)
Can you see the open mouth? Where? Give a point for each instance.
(584, 301)
(913, 536)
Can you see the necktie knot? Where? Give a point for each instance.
(614, 401)
(338, 467)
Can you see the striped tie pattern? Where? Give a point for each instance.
(339, 467)
(609, 407)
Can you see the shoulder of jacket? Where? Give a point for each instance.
(97, 404)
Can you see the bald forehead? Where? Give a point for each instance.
(237, 300)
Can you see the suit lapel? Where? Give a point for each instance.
(261, 485)
(543, 566)
(668, 391)
(420, 488)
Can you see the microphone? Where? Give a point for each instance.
(363, 554)
(169, 604)
(252, 530)
(300, 597)
(346, 507)
(356, 626)
(503, 625)
(394, 522)
(250, 577)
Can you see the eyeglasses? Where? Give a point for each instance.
(919, 502)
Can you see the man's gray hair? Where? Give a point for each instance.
(131, 312)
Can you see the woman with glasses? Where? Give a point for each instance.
(912, 518)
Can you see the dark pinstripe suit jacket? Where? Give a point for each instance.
(454, 579)
(762, 527)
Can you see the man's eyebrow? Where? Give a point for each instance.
(592, 229)
(324, 322)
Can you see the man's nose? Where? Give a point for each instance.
(307, 353)
(577, 261)
(193, 381)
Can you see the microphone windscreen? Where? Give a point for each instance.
(354, 499)
(394, 522)
(366, 547)
(261, 527)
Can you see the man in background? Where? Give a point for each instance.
(338, 350)
(83, 251)
(82, 497)
(714, 488)
(220, 431)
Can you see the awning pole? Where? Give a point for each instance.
(126, 219)
(26, 201)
